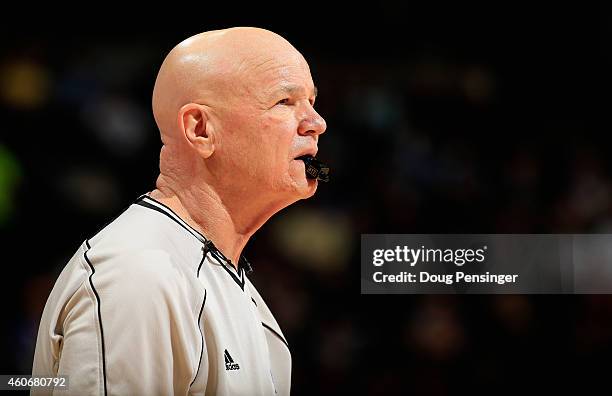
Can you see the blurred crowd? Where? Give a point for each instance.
(432, 134)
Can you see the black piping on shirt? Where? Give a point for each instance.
(141, 202)
(202, 335)
(93, 271)
(239, 279)
(276, 334)
(215, 252)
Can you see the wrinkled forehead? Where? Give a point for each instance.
(267, 70)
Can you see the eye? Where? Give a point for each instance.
(283, 101)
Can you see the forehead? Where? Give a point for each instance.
(267, 73)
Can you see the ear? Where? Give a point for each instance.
(194, 123)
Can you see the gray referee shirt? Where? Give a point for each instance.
(142, 308)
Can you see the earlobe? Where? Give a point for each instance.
(194, 123)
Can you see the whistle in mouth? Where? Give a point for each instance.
(315, 169)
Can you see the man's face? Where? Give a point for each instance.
(267, 122)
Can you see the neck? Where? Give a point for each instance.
(227, 223)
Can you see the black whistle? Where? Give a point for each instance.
(315, 169)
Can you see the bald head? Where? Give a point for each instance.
(211, 67)
(235, 108)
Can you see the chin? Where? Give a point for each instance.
(307, 189)
(310, 191)
(303, 189)
(299, 185)
(312, 187)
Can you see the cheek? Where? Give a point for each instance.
(262, 146)
(278, 133)
(241, 148)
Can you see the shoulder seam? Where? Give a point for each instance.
(83, 263)
(202, 336)
(93, 288)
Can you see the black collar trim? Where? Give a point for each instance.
(148, 202)
(209, 247)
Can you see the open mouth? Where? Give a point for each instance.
(315, 169)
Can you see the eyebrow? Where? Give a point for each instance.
(292, 88)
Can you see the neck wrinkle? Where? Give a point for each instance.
(205, 210)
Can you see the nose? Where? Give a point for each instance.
(312, 124)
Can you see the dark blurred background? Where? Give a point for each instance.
(440, 120)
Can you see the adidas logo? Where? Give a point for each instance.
(229, 362)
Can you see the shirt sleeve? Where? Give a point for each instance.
(132, 328)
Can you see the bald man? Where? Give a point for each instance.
(157, 302)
